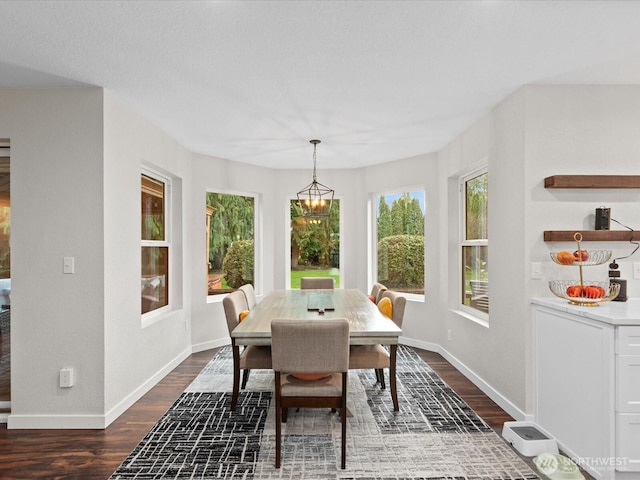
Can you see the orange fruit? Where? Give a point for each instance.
(565, 258)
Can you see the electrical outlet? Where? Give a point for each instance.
(636, 269)
(449, 334)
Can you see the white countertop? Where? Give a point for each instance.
(613, 313)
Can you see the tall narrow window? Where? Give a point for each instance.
(155, 242)
(230, 241)
(400, 241)
(315, 245)
(475, 242)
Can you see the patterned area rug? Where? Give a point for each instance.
(434, 436)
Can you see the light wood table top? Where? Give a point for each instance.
(367, 325)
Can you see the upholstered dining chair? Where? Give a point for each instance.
(376, 292)
(310, 346)
(250, 295)
(326, 283)
(252, 357)
(376, 356)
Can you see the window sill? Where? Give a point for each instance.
(155, 316)
(469, 315)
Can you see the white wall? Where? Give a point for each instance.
(138, 355)
(57, 320)
(536, 132)
(76, 156)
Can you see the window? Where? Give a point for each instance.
(399, 248)
(315, 245)
(475, 242)
(230, 241)
(155, 242)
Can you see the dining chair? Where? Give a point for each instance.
(377, 356)
(376, 292)
(250, 295)
(252, 357)
(310, 346)
(326, 283)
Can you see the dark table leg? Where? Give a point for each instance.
(393, 350)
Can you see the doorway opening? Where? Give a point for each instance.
(5, 277)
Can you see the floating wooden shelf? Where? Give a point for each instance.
(591, 235)
(592, 181)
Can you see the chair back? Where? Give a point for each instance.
(376, 291)
(233, 304)
(398, 302)
(316, 282)
(250, 295)
(310, 346)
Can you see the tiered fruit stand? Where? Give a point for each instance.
(581, 294)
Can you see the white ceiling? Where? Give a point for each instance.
(254, 81)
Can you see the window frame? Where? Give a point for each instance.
(287, 242)
(257, 267)
(166, 243)
(373, 243)
(470, 312)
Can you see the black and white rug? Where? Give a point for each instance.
(434, 436)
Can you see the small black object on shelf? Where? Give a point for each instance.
(603, 218)
(614, 277)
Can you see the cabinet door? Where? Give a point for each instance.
(628, 383)
(575, 383)
(628, 442)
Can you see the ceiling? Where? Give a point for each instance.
(254, 81)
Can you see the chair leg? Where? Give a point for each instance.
(380, 375)
(245, 377)
(236, 377)
(278, 420)
(393, 351)
(285, 411)
(343, 418)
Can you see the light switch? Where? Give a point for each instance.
(536, 270)
(66, 377)
(68, 265)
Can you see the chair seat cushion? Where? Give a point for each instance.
(310, 376)
(255, 357)
(368, 356)
(330, 386)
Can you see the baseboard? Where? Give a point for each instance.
(486, 388)
(201, 347)
(55, 422)
(16, 421)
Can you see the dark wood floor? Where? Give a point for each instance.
(95, 454)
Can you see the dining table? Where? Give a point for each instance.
(367, 325)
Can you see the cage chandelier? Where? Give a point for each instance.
(315, 199)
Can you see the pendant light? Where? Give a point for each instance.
(315, 199)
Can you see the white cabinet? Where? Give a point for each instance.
(628, 383)
(587, 384)
(628, 442)
(628, 398)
